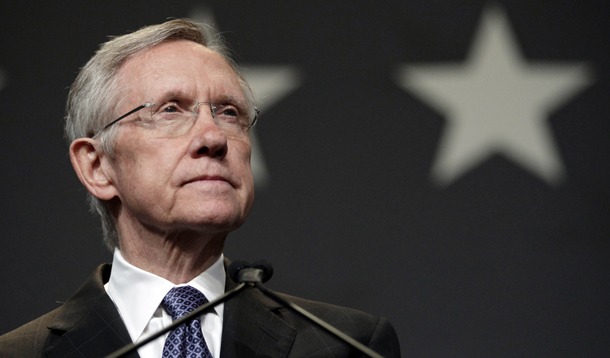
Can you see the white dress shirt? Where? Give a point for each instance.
(137, 295)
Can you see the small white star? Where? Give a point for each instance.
(495, 102)
(270, 83)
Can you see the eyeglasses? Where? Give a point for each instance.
(176, 117)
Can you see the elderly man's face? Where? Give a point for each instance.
(198, 181)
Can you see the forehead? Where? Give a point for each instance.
(178, 67)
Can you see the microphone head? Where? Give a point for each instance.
(266, 267)
(240, 271)
(235, 267)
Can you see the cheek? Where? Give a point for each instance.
(243, 158)
(244, 147)
(240, 157)
(145, 167)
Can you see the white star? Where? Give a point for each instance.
(270, 85)
(495, 102)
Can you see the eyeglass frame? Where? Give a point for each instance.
(152, 103)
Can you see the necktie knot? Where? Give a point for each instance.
(180, 301)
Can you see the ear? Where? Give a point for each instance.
(87, 159)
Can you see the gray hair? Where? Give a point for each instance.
(95, 95)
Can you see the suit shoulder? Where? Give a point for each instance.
(28, 340)
(332, 312)
(375, 332)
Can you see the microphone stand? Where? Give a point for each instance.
(194, 314)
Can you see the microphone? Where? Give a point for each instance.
(242, 271)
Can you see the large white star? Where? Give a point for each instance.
(495, 102)
(270, 83)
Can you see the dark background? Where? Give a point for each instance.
(496, 263)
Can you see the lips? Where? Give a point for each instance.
(210, 178)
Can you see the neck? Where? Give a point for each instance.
(177, 257)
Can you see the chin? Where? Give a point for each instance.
(216, 220)
(221, 214)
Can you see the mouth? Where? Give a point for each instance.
(211, 179)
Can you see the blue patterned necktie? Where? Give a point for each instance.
(187, 340)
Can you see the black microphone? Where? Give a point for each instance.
(242, 271)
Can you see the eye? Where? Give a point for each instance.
(228, 111)
(170, 109)
(228, 114)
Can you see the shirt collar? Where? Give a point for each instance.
(138, 293)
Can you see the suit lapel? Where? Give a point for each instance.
(251, 328)
(89, 324)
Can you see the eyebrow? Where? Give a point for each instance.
(240, 101)
(167, 95)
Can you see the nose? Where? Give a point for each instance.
(208, 137)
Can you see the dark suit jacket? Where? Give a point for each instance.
(88, 325)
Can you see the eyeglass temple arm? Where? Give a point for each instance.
(256, 113)
(128, 113)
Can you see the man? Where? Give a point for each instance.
(159, 126)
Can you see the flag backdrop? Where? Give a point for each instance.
(443, 164)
